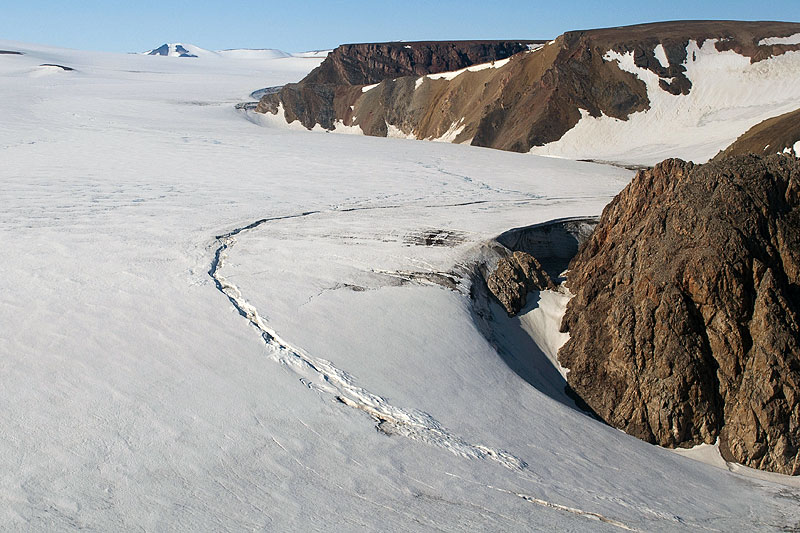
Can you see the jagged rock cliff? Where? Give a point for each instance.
(515, 276)
(538, 96)
(685, 325)
(325, 94)
(365, 64)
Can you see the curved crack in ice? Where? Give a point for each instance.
(410, 423)
(544, 503)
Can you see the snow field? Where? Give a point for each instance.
(139, 397)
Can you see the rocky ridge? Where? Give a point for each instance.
(324, 96)
(531, 100)
(775, 135)
(685, 325)
(364, 64)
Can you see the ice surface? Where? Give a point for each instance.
(138, 397)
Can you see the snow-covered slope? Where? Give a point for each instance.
(203, 323)
(729, 95)
(321, 54)
(254, 53)
(631, 95)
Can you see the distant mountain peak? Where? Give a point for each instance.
(190, 50)
(175, 50)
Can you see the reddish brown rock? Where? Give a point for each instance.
(326, 94)
(773, 136)
(367, 63)
(685, 325)
(515, 276)
(532, 100)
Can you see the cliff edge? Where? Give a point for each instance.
(685, 325)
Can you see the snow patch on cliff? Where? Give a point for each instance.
(394, 132)
(661, 55)
(452, 132)
(455, 73)
(769, 41)
(729, 95)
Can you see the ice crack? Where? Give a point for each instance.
(392, 420)
(322, 376)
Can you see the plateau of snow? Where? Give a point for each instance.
(729, 95)
(313, 54)
(203, 322)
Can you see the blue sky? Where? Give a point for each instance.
(134, 26)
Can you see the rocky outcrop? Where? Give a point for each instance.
(324, 96)
(553, 243)
(62, 67)
(685, 325)
(365, 64)
(515, 276)
(531, 100)
(775, 135)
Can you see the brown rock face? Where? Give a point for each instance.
(516, 276)
(532, 100)
(326, 94)
(365, 64)
(685, 325)
(772, 136)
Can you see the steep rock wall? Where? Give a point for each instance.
(685, 325)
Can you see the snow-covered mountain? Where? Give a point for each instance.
(632, 95)
(190, 50)
(208, 325)
(177, 50)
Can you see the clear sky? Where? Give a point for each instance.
(134, 26)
